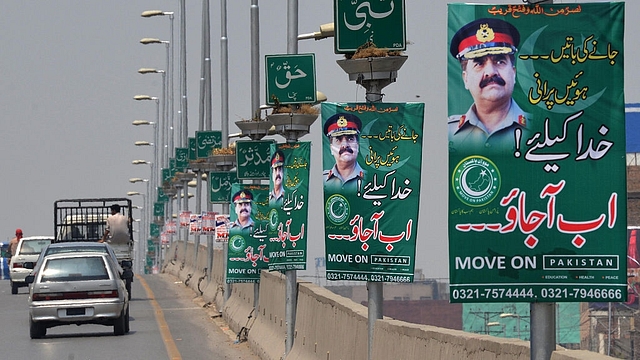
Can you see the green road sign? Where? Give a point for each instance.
(162, 197)
(182, 159)
(192, 149)
(207, 141)
(154, 229)
(158, 209)
(253, 159)
(359, 22)
(167, 174)
(220, 186)
(291, 78)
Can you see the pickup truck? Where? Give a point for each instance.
(86, 220)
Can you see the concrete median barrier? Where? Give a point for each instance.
(331, 327)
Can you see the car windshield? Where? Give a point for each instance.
(75, 269)
(33, 247)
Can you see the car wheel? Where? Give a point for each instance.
(126, 321)
(36, 329)
(128, 286)
(14, 288)
(119, 324)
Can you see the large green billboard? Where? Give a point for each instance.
(372, 156)
(536, 130)
(289, 205)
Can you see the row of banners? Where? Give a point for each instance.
(372, 156)
(537, 194)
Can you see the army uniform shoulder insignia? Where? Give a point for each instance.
(522, 120)
(463, 118)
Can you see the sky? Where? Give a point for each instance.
(69, 75)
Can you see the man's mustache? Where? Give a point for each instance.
(244, 211)
(345, 149)
(496, 79)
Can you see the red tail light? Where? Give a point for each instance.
(16, 265)
(76, 295)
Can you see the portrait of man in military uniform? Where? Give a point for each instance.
(343, 133)
(242, 201)
(486, 51)
(276, 195)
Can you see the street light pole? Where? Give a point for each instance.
(170, 68)
(139, 248)
(155, 128)
(164, 161)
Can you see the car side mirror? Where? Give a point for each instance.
(126, 263)
(29, 279)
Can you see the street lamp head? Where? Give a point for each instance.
(144, 97)
(326, 30)
(508, 315)
(143, 143)
(135, 180)
(146, 41)
(138, 162)
(150, 71)
(133, 193)
(142, 122)
(151, 13)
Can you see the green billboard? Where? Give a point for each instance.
(372, 156)
(289, 205)
(247, 255)
(537, 173)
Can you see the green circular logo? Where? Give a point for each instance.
(337, 209)
(237, 244)
(273, 219)
(476, 181)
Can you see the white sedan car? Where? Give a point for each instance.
(26, 255)
(77, 288)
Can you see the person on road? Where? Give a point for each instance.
(117, 230)
(13, 244)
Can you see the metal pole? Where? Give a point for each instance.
(171, 91)
(543, 325)
(291, 275)
(185, 204)
(255, 60)
(208, 124)
(165, 119)
(183, 57)
(224, 118)
(224, 75)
